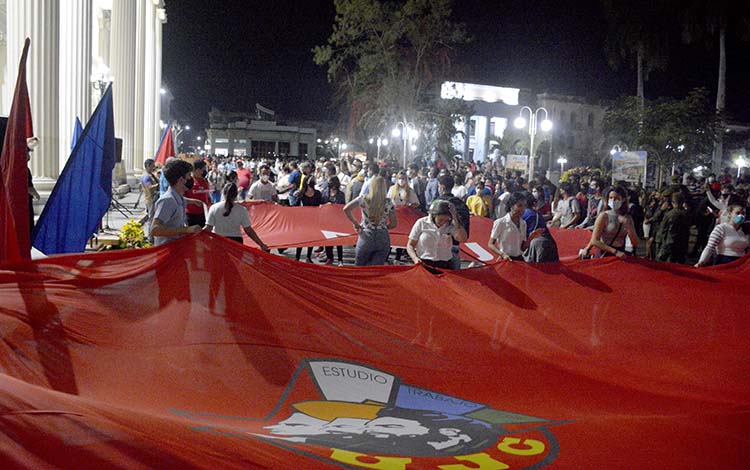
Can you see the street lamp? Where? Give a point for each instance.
(407, 132)
(741, 163)
(381, 142)
(545, 126)
(562, 161)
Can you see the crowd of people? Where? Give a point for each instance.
(620, 217)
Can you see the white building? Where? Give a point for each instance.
(576, 122)
(77, 47)
(257, 135)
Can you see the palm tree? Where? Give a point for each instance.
(638, 33)
(702, 21)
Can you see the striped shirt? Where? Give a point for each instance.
(725, 240)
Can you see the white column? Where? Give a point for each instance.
(38, 20)
(140, 85)
(122, 58)
(161, 17)
(151, 89)
(75, 70)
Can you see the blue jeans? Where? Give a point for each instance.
(373, 247)
(215, 196)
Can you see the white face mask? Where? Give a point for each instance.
(264, 178)
(615, 204)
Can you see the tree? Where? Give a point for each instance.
(387, 61)
(638, 33)
(702, 21)
(672, 131)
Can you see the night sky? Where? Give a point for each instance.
(234, 53)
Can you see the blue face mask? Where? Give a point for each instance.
(738, 219)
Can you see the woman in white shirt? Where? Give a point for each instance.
(431, 237)
(727, 241)
(227, 219)
(508, 237)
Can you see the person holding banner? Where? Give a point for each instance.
(612, 226)
(169, 210)
(727, 241)
(431, 237)
(226, 218)
(378, 216)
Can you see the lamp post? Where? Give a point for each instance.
(741, 163)
(562, 161)
(382, 141)
(408, 132)
(545, 126)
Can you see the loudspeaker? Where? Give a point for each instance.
(118, 150)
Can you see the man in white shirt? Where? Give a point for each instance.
(263, 189)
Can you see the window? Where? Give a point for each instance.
(302, 150)
(492, 127)
(571, 141)
(573, 118)
(591, 119)
(563, 116)
(472, 128)
(221, 140)
(284, 148)
(262, 148)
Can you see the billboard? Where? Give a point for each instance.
(517, 162)
(629, 166)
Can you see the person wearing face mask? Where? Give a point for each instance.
(263, 189)
(431, 237)
(401, 193)
(593, 204)
(508, 237)
(200, 191)
(727, 241)
(169, 210)
(612, 226)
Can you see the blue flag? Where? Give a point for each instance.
(77, 131)
(83, 191)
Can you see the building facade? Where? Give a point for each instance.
(576, 123)
(257, 135)
(77, 48)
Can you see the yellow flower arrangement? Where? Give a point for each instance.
(133, 236)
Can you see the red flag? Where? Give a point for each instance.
(166, 146)
(15, 240)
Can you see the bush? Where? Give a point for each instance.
(133, 236)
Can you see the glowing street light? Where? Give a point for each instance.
(381, 142)
(546, 126)
(407, 132)
(562, 161)
(741, 163)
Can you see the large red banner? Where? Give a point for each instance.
(205, 353)
(289, 227)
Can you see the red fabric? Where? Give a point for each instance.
(201, 191)
(166, 148)
(15, 241)
(282, 226)
(597, 364)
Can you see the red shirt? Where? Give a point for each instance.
(199, 191)
(244, 177)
